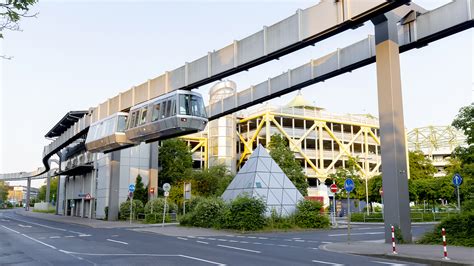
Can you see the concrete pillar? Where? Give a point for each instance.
(28, 188)
(48, 187)
(153, 172)
(392, 129)
(114, 186)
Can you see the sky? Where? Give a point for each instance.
(77, 54)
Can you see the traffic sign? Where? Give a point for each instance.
(333, 188)
(167, 193)
(457, 180)
(88, 196)
(349, 185)
(131, 188)
(166, 187)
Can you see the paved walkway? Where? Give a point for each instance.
(427, 254)
(87, 222)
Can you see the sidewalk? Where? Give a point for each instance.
(87, 222)
(427, 254)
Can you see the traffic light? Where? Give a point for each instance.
(152, 190)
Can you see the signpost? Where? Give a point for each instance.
(131, 189)
(333, 188)
(187, 195)
(349, 186)
(166, 188)
(457, 181)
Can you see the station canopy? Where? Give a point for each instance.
(66, 122)
(261, 177)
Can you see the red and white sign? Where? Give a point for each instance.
(88, 196)
(333, 188)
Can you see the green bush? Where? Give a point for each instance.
(154, 210)
(207, 211)
(308, 215)
(276, 221)
(137, 207)
(459, 231)
(192, 203)
(244, 214)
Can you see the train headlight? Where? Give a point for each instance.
(184, 119)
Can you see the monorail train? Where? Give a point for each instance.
(108, 134)
(173, 114)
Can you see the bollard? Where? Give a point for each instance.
(394, 250)
(445, 250)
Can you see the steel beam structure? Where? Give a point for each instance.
(392, 128)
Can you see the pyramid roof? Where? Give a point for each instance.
(261, 177)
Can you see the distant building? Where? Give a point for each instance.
(17, 194)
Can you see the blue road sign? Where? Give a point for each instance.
(457, 180)
(131, 188)
(349, 185)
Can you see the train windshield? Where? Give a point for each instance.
(191, 105)
(122, 123)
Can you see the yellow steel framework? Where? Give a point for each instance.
(198, 145)
(432, 138)
(319, 127)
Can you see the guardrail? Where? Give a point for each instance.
(415, 216)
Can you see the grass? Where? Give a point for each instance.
(45, 211)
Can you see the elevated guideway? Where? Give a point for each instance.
(39, 173)
(300, 30)
(414, 31)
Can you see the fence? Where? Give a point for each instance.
(415, 216)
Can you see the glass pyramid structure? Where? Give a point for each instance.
(261, 177)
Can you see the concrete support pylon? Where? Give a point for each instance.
(28, 188)
(114, 186)
(153, 171)
(48, 187)
(392, 128)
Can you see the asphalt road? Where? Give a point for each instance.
(31, 241)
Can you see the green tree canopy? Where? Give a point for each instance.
(53, 188)
(285, 158)
(3, 191)
(350, 171)
(175, 161)
(141, 193)
(465, 121)
(420, 166)
(212, 181)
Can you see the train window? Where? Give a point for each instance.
(143, 115)
(156, 112)
(191, 105)
(133, 118)
(168, 108)
(173, 107)
(122, 121)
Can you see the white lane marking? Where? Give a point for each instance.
(282, 245)
(368, 233)
(69, 236)
(3, 220)
(203, 260)
(200, 237)
(46, 226)
(289, 240)
(240, 236)
(84, 235)
(210, 238)
(389, 263)
(223, 240)
(114, 235)
(326, 242)
(10, 229)
(202, 242)
(252, 237)
(41, 242)
(143, 255)
(312, 241)
(315, 248)
(116, 241)
(191, 237)
(182, 238)
(230, 235)
(79, 233)
(296, 237)
(243, 249)
(243, 242)
(27, 226)
(262, 238)
(299, 240)
(257, 243)
(233, 241)
(54, 237)
(325, 262)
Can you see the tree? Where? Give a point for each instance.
(350, 171)
(285, 158)
(140, 193)
(212, 181)
(175, 161)
(53, 188)
(420, 166)
(375, 184)
(465, 121)
(3, 192)
(11, 11)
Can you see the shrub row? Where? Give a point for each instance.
(248, 214)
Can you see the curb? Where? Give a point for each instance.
(415, 259)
